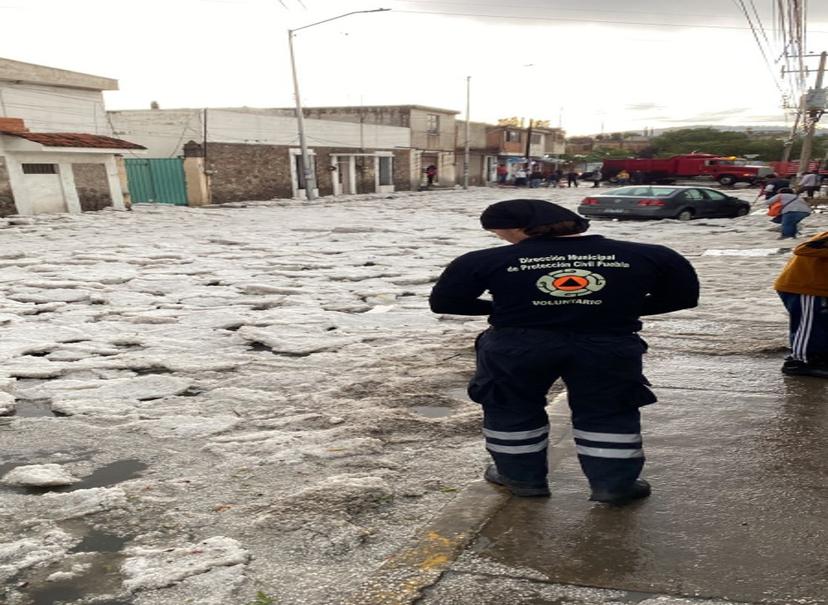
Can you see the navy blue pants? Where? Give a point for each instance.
(605, 384)
(808, 327)
(790, 221)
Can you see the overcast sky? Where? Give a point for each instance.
(590, 65)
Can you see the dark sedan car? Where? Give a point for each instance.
(662, 201)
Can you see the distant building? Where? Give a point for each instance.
(254, 154)
(57, 153)
(511, 139)
(482, 156)
(432, 135)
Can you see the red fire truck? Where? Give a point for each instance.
(725, 170)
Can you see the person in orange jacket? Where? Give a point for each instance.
(803, 287)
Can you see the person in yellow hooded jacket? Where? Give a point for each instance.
(803, 287)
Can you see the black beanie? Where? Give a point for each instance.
(522, 214)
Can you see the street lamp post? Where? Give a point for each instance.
(466, 153)
(308, 175)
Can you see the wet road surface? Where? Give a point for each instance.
(736, 455)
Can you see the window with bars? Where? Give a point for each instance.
(40, 168)
(512, 136)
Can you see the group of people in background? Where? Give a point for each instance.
(787, 207)
(533, 176)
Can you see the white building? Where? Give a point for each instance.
(56, 149)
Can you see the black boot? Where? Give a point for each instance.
(518, 488)
(637, 490)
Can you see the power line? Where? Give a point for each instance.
(572, 20)
(557, 9)
(759, 21)
(741, 5)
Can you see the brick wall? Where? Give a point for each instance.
(92, 186)
(248, 172)
(262, 172)
(7, 206)
(402, 170)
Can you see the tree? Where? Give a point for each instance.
(766, 146)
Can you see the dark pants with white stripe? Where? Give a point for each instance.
(808, 327)
(606, 386)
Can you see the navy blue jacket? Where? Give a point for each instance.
(579, 284)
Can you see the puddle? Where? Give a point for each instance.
(33, 408)
(111, 474)
(432, 411)
(102, 577)
(98, 549)
(106, 476)
(96, 540)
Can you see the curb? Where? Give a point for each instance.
(401, 579)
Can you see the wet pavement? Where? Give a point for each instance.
(736, 455)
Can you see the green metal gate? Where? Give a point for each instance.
(157, 180)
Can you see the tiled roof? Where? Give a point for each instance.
(73, 139)
(13, 124)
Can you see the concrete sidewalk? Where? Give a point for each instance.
(736, 455)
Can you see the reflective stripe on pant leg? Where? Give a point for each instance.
(605, 409)
(514, 372)
(520, 455)
(517, 442)
(799, 346)
(610, 461)
(608, 445)
(793, 306)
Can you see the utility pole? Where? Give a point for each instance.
(814, 113)
(308, 174)
(786, 154)
(466, 153)
(529, 145)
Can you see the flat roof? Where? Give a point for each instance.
(30, 73)
(423, 107)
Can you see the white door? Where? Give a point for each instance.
(45, 193)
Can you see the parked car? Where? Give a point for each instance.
(663, 201)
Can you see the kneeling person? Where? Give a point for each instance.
(564, 305)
